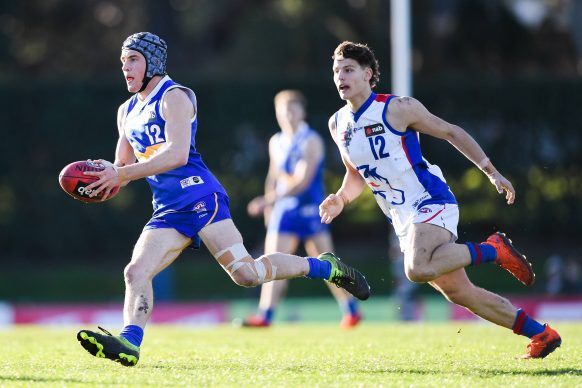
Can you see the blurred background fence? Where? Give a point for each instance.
(509, 77)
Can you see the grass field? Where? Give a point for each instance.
(372, 355)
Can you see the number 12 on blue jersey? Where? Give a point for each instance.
(154, 133)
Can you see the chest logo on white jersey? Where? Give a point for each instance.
(348, 134)
(374, 129)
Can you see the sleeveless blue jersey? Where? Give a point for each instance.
(144, 128)
(288, 154)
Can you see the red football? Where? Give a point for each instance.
(73, 181)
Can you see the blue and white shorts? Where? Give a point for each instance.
(301, 220)
(445, 215)
(191, 219)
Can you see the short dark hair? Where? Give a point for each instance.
(362, 54)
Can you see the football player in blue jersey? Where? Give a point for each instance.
(293, 191)
(377, 135)
(157, 128)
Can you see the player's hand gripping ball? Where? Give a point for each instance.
(74, 182)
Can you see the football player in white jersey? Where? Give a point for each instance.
(157, 128)
(377, 136)
(293, 192)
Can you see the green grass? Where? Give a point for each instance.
(373, 355)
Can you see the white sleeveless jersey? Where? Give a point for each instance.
(390, 162)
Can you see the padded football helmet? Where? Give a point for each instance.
(155, 51)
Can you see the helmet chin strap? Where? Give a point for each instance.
(144, 84)
(146, 80)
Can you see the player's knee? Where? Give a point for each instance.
(132, 274)
(419, 274)
(245, 278)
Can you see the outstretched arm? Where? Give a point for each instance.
(352, 186)
(408, 112)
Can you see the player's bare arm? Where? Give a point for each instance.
(261, 204)
(304, 169)
(124, 155)
(352, 186)
(405, 112)
(178, 111)
(273, 174)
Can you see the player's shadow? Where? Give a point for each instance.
(486, 373)
(37, 379)
(551, 372)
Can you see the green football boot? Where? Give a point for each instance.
(346, 277)
(115, 348)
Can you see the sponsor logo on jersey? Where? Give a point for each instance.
(191, 181)
(200, 207)
(419, 200)
(347, 134)
(374, 129)
(152, 115)
(424, 210)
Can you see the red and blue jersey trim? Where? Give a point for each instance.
(438, 190)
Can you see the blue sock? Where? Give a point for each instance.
(267, 314)
(525, 325)
(351, 307)
(132, 333)
(481, 253)
(318, 269)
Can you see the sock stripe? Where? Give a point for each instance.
(519, 321)
(471, 252)
(479, 256)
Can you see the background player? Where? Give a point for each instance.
(293, 192)
(158, 126)
(377, 136)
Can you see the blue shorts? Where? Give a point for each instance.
(190, 220)
(301, 220)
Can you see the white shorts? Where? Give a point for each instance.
(443, 215)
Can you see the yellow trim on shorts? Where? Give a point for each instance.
(215, 210)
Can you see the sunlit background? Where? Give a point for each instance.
(507, 71)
